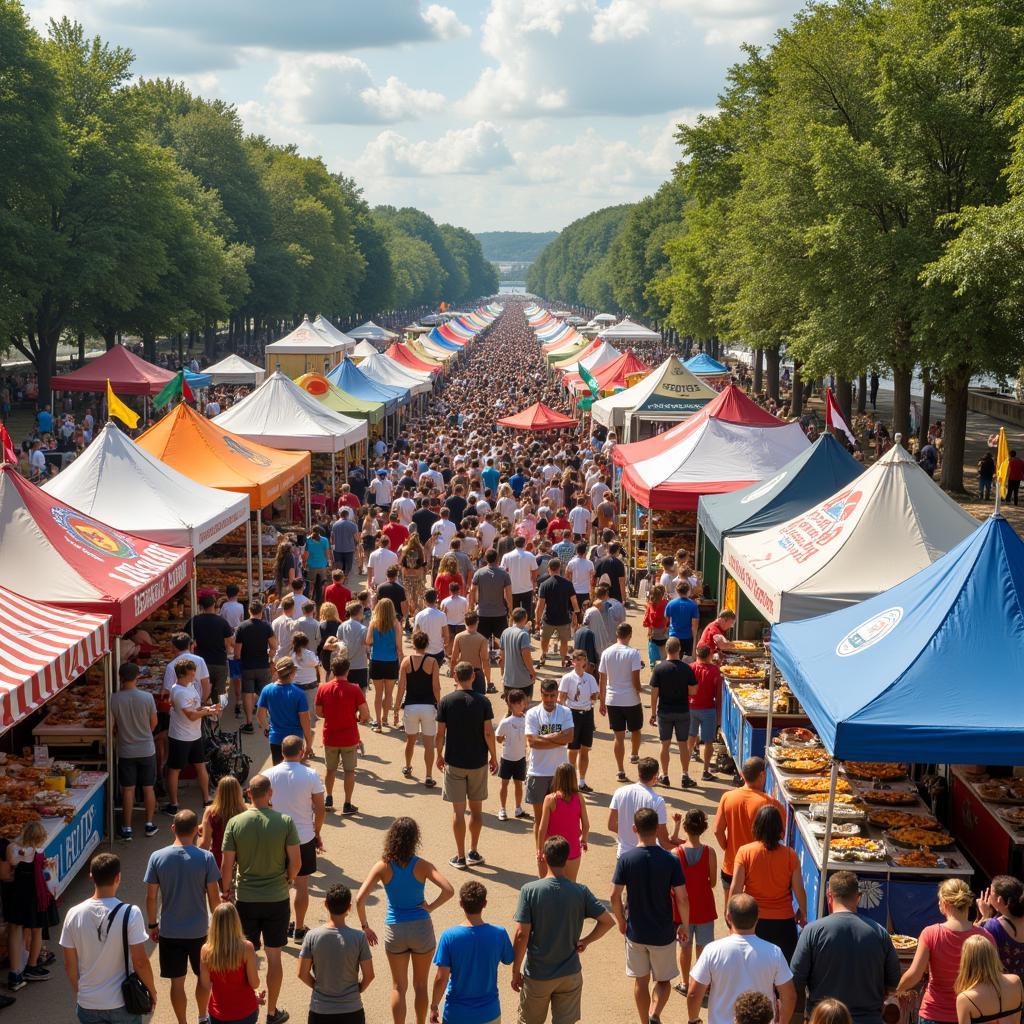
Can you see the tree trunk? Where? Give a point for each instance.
(109, 337)
(149, 346)
(758, 370)
(179, 339)
(862, 394)
(210, 341)
(926, 406)
(796, 405)
(81, 348)
(774, 360)
(46, 344)
(901, 401)
(954, 428)
(844, 398)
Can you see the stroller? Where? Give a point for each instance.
(224, 754)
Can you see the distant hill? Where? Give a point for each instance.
(514, 246)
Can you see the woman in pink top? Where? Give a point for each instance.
(565, 814)
(938, 953)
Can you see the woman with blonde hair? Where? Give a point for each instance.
(831, 1011)
(330, 620)
(447, 574)
(228, 801)
(506, 505)
(384, 643)
(938, 953)
(412, 560)
(228, 971)
(984, 994)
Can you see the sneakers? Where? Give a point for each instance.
(16, 982)
(663, 780)
(502, 816)
(247, 728)
(238, 711)
(686, 782)
(456, 862)
(585, 788)
(523, 815)
(706, 776)
(36, 973)
(621, 776)
(634, 758)
(151, 829)
(124, 834)
(349, 809)
(299, 934)
(329, 802)
(279, 1016)
(169, 809)
(473, 857)
(429, 782)
(407, 771)
(491, 688)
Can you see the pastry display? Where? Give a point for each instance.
(1002, 791)
(816, 786)
(797, 736)
(745, 646)
(742, 672)
(916, 859)
(920, 837)
(805, 765)
(875, 770)
(902, 819)
(904, 943)
(1013, 816)
(890, 797)
(856, 848)
(847, 799)
(840, 829)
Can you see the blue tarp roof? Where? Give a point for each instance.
(703, 363)
(198, 380)
(349, 378)
(439, 339)
(929, 671)
(814, 475)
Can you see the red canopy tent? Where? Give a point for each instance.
(611, 376)
(69, 559)
(449, 335)
(402, 355)
(128, 374)
(539, 417)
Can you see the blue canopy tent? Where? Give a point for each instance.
(347, 377)
(440, 340)
(197, 380)
(703, 365)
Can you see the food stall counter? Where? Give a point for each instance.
(988, 818)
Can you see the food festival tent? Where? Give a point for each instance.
(668, 392)
(329, 331)
(233, 369)
(317, 385)
(197, 381)
(347, 377)
(446, 332)
(128, 374)
(402, 355)
(282, 415)
(363, 349)
(610, 377)
(628, 330)
(538, 417)
(702, 365)
(61, 556)
(601, 355)
(821, 470)
(43, 649)
(303, 350)
(386, 371)
(604, 318)
(429, 350)
(435, 337)
(371, 332)
(125, 486)
(875, 532)
(728, 444)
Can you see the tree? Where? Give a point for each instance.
(481, 275)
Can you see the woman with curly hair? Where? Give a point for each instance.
(447, 574)
(413, 561)
(408, 930)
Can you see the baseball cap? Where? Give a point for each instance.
(284, 666)
(382, 472)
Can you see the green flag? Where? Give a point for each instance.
(585, 403)
(589, 380)
(176, 387)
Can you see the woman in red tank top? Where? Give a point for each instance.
(227, 802)
(227, 971)
(700, 868)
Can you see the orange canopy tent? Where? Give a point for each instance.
(539, 417)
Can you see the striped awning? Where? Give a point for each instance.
(42, 650)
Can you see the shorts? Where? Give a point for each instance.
(479, 682)
(726, 879)
(369, 543)
(514, 770)
(673, 723)
(218, 677)
(438, 656)
(561, 995)
(462, 784)
(343, 561)
(254, 679)
(385, 671)
(177, 955)
(562, 632)
(266, 920)
(276, 755)
(234, 668)
(523, 601)
(703, 933)
(307, 858)
(346, 755)
(658, 961)
(454, 629)
(685, 646)
(583, 602)
(163, 722)
(136, 771)
(537, 787)
(704, 723)
(184, 752)
(420, 718)
(492, 626)
(351, 1017)
(582, 729)
(410, 937)
(620, 719)
(359, 676)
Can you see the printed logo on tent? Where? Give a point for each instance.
(246, 453)
(869, 633)
(802, 538)
(95, 536)
(763, 489)
(316, 385)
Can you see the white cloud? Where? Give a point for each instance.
(259, 119)
(479, 149)
(445, 22)
(621, 19)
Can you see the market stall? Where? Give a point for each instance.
(384, 370)
(538, 417)
(372, 332)
(710, 370)
(317, 385)
(332, 333)
(404, 356)
(127, 373)
(626, 331)
(233, 369)
(304, 350)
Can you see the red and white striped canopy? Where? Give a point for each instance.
(42, 650)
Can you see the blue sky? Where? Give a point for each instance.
(492, 114)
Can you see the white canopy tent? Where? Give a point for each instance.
(886, 525)
(304, 350)
(628, 330)
(363, 349)
(383, 370)
(371, 332)
(602, 355)
(331, 333)
(234, 369)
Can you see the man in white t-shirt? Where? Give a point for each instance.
(93, 948)
(379, 562)
(627, 800)
(432, 621)
(618, 675)
(581, 571)
(381, 489)
(404, 506)
(441, 534)
(580, 519)
(548, 733)
(185, 732)
(577, 691)
(299, 793)
(232, 610)
(182, 644)
(740, 963)
(521, 565)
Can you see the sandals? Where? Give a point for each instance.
(429, 783)
(407, 772)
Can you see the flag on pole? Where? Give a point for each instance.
(10, 453)
(834, 418)
(1002, 462)
(115, 407)
(588, 379)
(177, 387)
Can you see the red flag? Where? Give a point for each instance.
(834, 418)
(10, 453)
(186, 391)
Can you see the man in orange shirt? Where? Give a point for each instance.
(734, 820)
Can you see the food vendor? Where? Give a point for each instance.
(714, 634)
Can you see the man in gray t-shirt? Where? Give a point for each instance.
(490, 595)
(517, 670)
(135, 718)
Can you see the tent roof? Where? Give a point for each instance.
(61, 556)
(601, 355)
(382, 368)
(404, 356)
(703, 365)
(329, 331)
(928, 671)
(281, 414)
(610, 375)
(435, 337)
(539, 417)
(875, 532)
(119, 483)
(211, 455)
(629, 330)
(128, 374)
(347, 377)
(42, 650)
(812, 476)
(371, 332)
(604, 318)
(669, 389)
(317, 385)
(363, 349)
(233, 369)
(448, 333)
(304, 340)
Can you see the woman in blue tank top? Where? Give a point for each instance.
(384, 644)
(408, 930)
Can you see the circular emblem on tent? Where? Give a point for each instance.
(868, 633)
(316, 385)
(763, 489)
(246, 453)
(95, 536)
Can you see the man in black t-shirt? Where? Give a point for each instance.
(214, 645)
(556, 607)
(424, 518)
(672, 684)
(395, 592)
(456, 505)
(612, 567)
(465, 745)
(255, 645)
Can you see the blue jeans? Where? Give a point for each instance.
(117, 1016)
(984, 488)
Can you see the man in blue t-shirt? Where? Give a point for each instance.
(490, 476)
(467, 959)
(683, 616)
(517, 481)
(283, 710)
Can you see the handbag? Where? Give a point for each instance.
(136, 996)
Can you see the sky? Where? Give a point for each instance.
(517, 115)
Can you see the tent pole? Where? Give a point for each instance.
(650, 543)
(259, 542)
(721, 581)
(344, 467)
(826, 842)
(193, 600)
(248, 555)
(308, 489)
(771, 704)
(108, 691)
(334, 472)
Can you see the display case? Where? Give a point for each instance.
(988, 818)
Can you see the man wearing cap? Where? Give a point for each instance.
(381, 490)
(283, 709)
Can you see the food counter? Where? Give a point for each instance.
(988, 818)
(70, 843)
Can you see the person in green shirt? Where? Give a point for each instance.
(264, 845)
